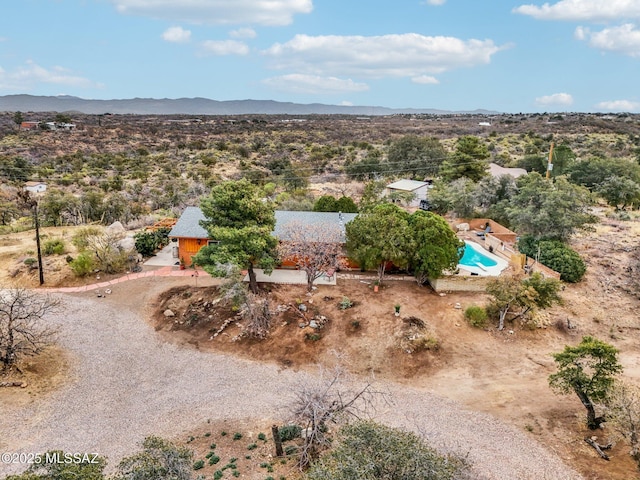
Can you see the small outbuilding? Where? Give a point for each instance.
(418, 188)
(35, 187)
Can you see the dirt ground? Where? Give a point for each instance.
(502, 373)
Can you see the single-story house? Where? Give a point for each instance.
(35, 187)
(497, 171)
(418, 188)
(191, 236)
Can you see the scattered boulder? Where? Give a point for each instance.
(169, 313)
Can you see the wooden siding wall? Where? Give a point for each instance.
(188, 247)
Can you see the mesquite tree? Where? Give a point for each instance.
(22, 332)
(588, 370)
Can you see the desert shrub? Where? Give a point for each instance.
(213, 459)
(289, 432)
(81, 238)
(145, 243)
(83, 264)
(237, 436)
(198, 465)
(54, 247)
(476, 316)
(30, 262)
(345, 303)
(366, 450)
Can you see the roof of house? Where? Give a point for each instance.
(407, 185)
(285, 217)
(496, 170)
(188, 225)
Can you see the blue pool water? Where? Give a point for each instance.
(473, 256)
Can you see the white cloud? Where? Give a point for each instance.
(425, 80)
(315, 84)
(177, 35)
(225, 47)
(243, 33)
(623, 39)
(217, 12)
(26, 77)
(619, 106)
(346, 103)
(583, 10)
(407, 55)
(560, 99)
(435, 2)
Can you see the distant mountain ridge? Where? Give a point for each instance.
(199, 106)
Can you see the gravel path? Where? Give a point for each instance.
(128, 384)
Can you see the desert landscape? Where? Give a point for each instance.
(121, 369)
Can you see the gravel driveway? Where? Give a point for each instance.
(128, 383)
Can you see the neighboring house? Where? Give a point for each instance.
(497, 171)
(191, 236)
(35, 187)
(29, 125)
(419, 190)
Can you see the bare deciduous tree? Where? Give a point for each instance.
(316, 249)
(21, 330)
(256, 315)
(622, 411)
(329, 398)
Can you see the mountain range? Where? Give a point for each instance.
(198, 106)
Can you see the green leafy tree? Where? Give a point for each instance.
(159, 459)
(468, 160)
(592, 172)
(556, 255)
(366, 450)
(514, 297)
(619, 192)
(18, 118)
(367, 168)
(533, 163)
(416, 156)
(380, 237)
(58, 465)
(562, 159)
(372, 195)
(346, 205)
(436, 246)
(241, 225)
(549, 209)
(589, 371)
(326, 203)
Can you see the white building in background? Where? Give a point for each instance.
(418, 188)
(35, 187)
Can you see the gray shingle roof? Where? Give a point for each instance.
(284, 217)
(188, 225)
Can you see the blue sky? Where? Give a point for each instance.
(505, 55)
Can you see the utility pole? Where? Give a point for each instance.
(549, 162)
(40, 266)
(31, 202)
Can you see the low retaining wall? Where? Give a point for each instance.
(460, 283)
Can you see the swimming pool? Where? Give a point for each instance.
(476, 260)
